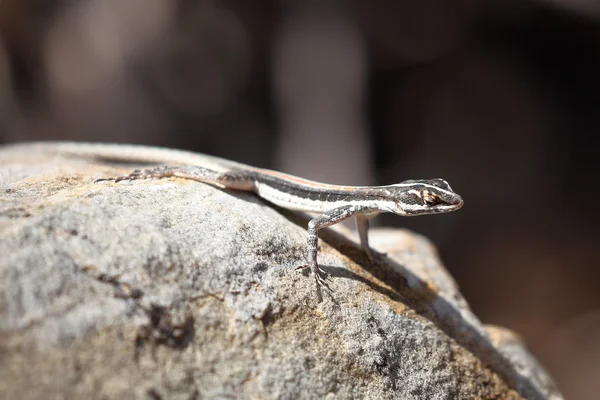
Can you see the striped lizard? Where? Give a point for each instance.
(334, 203)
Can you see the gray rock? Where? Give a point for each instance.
(176, 289)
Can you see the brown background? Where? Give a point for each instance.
(499, 98)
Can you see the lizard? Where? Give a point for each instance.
(333, 203)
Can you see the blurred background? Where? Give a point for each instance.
(499, 98)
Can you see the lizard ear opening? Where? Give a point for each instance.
(431, 202)
(431, 199)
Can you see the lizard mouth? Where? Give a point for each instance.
(449, 206)
(459, 204)
(456, 204)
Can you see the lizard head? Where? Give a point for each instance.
(426, 196)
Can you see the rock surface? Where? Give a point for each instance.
(176, 289)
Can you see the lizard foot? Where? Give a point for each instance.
(141, 174)
(157, 172)
(137, 174)
(320, 280)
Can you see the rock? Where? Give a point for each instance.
(176, 289)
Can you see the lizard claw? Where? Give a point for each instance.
(103, 180)
(302, 267)
(319, 279)
(134, 175)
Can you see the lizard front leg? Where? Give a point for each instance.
(324, 220)
(362, 225)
